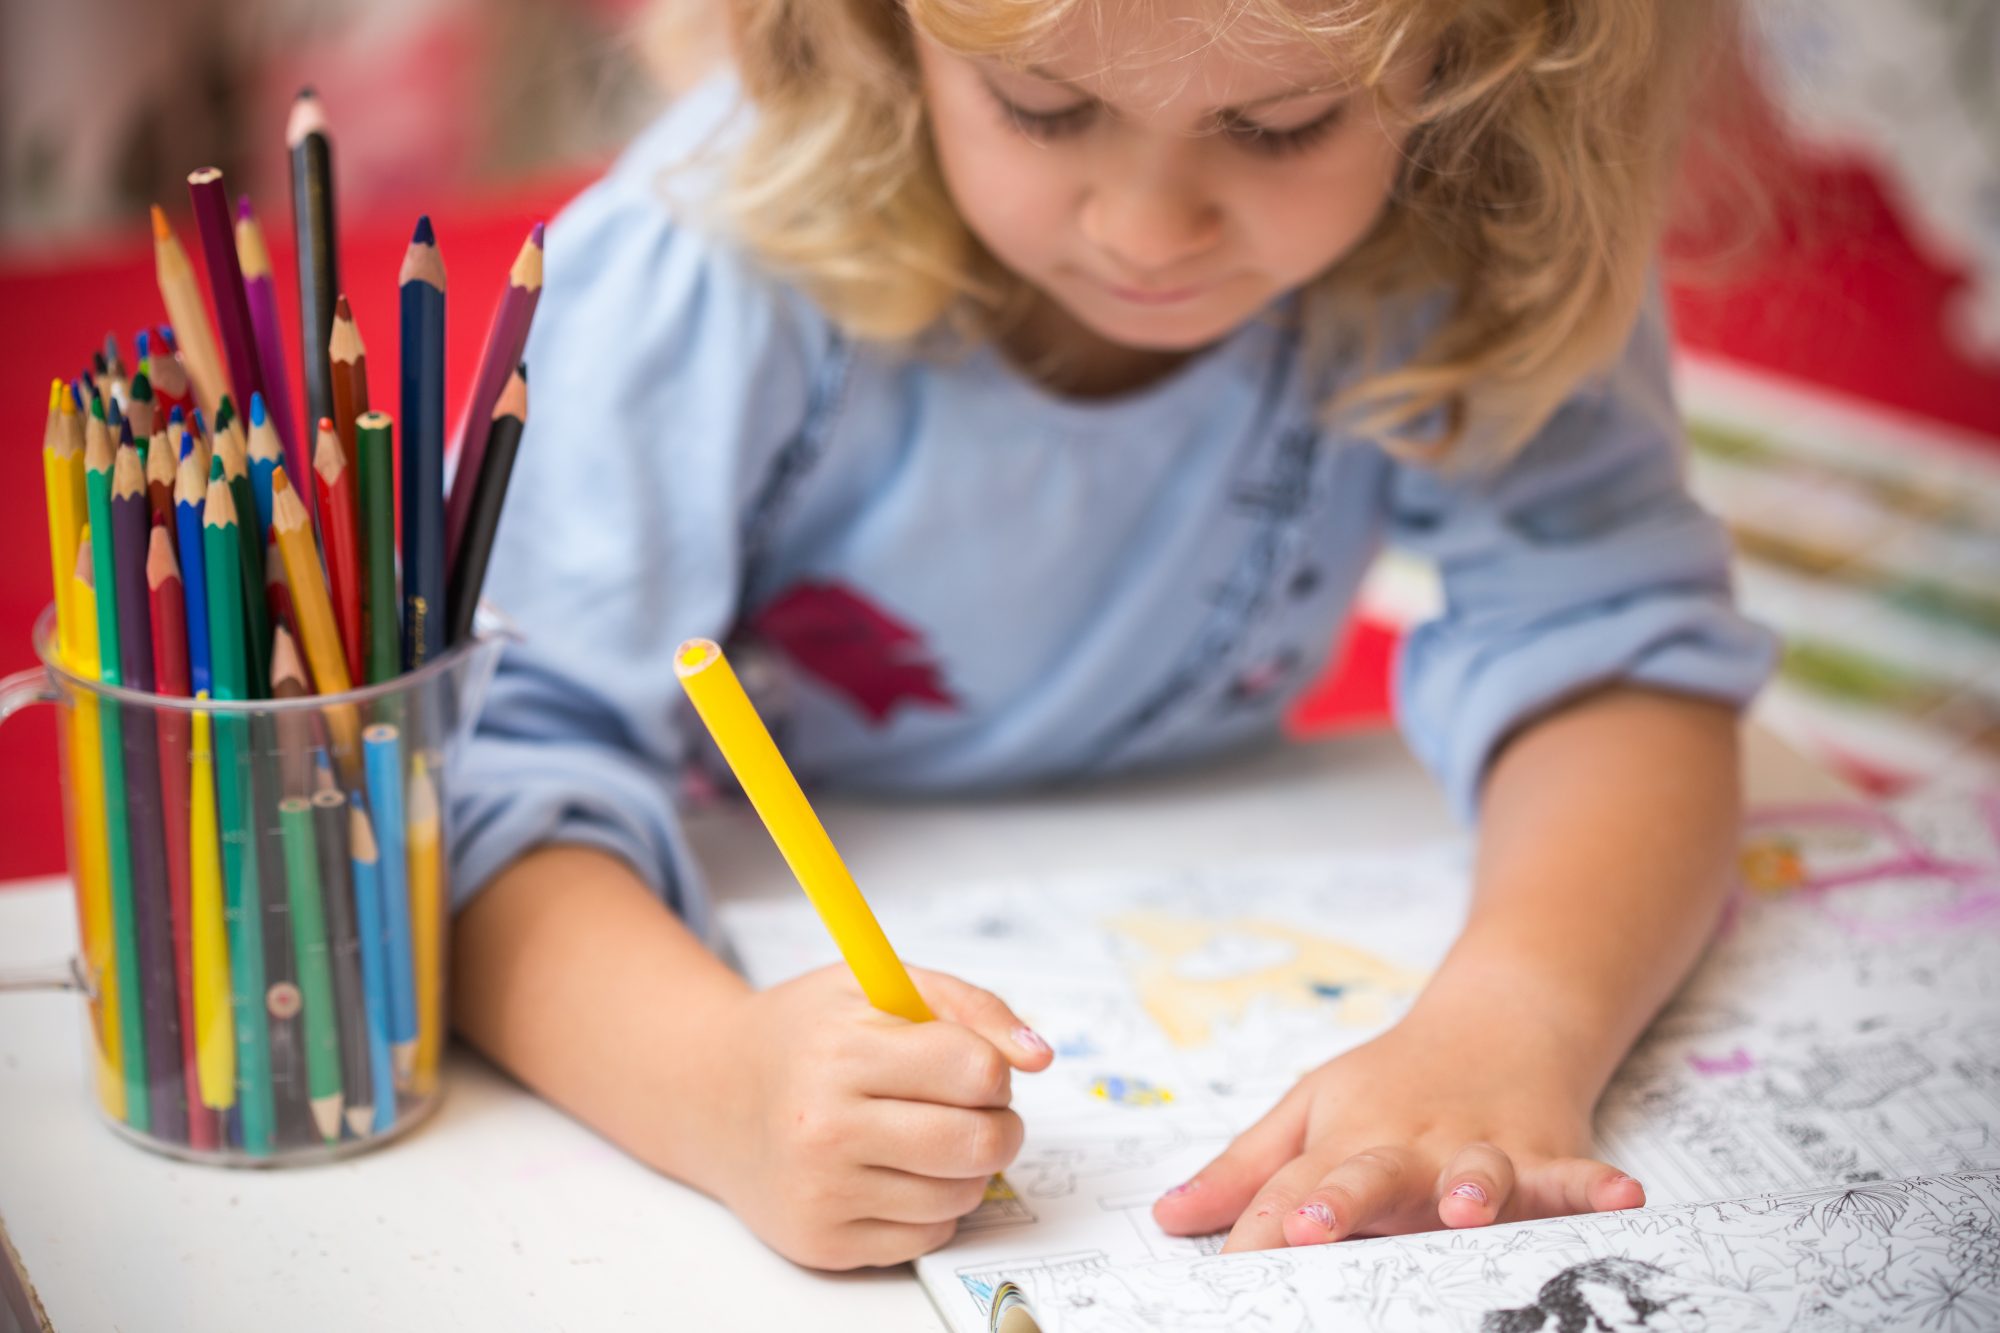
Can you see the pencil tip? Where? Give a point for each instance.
(187, 443)
(538, 234)
(424, 234)
(161, 231)
(177, 416)
(257, 414)
(305, 92)
(244, 212)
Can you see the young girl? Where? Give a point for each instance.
(1020, 390)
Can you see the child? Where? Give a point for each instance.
(1020, 389)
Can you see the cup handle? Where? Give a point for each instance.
(17, 691)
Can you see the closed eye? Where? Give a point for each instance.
(1262, 139)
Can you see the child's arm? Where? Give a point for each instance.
(1608, 828)
(841, 1136)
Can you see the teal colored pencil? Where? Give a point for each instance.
(295, 826)
(98, 460)
(222, 553)
(382, 749)
(374, 966)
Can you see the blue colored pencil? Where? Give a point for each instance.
(374, 963)
(382, 746)
(422, 286)
(190, 493)
(266, 454)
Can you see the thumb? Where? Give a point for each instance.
(1217, 1194)
(985, 1013)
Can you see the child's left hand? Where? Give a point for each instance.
(1405, 1133)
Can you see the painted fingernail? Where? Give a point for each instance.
(1185, 1187)
(1030, 1040)
(1318, 1214)
(1470, 1190)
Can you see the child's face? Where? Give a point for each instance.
(1158, 185)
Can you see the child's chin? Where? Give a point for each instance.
(1167, 328)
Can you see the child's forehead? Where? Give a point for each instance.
(1153, 52)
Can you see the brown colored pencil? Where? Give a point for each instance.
(347, 369)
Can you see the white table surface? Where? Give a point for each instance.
(502, 1212)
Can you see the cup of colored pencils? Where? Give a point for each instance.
(265, 673)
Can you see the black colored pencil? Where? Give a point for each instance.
(503, 442)
(315, 231)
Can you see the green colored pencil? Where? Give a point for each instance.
(295, 825)
(97, 462)
(374, 435)
(222, 552)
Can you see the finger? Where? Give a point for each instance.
(1215, 1195)
(889, 1195)
(932, 1062)
(1261, 1226)
(985, 1013)
(1475, 1186)
(1359, 1193)
(1566, 1185)
(947, 1142)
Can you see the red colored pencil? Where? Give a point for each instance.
(170, 676)
(225, 282)
(334, 481)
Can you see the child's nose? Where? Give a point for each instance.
(1150, 226)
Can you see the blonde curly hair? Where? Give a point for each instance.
(1532, 198)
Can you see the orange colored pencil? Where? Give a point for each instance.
(340, 526)
(183, 300)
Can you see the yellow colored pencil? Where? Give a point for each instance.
(93, 866)
(426, 920)
(65, 514)
(753, 756)
(208, 943)
(311, 604)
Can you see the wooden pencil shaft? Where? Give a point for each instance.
(225, 281)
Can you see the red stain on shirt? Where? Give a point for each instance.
(842, 639)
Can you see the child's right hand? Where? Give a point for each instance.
(853, 1138)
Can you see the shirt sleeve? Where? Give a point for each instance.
(1581, 562)
(664, 370)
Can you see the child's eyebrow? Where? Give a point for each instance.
(1269, 99)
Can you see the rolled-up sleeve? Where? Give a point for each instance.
(1581, 562)
(663, 367)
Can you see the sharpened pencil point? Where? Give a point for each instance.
(257, 414)
(540, 233)
(161, 231)
(424, 234)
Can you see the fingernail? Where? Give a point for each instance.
(1625, 1180)
(1470, 1190)
(1028, 1039)
(1186, 1186)
(1318, 1214)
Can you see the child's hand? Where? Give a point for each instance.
(855, 1138)
(1399, 1135)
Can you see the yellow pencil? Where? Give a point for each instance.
(182, 295)
(65, 513)
(426, 920)
(93, 867)
(292, 529)
(752, 755)
(208, 943)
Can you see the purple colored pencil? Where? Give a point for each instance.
(506, 339)
(225, 282)
(260, 293)
(131, 528)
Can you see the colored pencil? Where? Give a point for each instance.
(208, 938)
(151, 892)
(382, 610)
(170, 677)
(267, 452)
(506, 341)
(139, 407)
(161, 461)
(190, 490)
(422, 286)
(726, 711)
(350, 995)
(93, 864)
(315, 970)
(260, 293)
(310, 150)
(314, 610)
(382, 745)
(65, 517)
(284, 1002)
(171, 389)
(229, 447)
(98, 461)
(278, 591)
(468, 575)
(243, 900)
(288, 681)
(368, 920)
(225, 283)
(341, 536)
(426, 875)
(178, 290)
(347, 372)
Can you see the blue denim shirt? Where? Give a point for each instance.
(936, 575)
